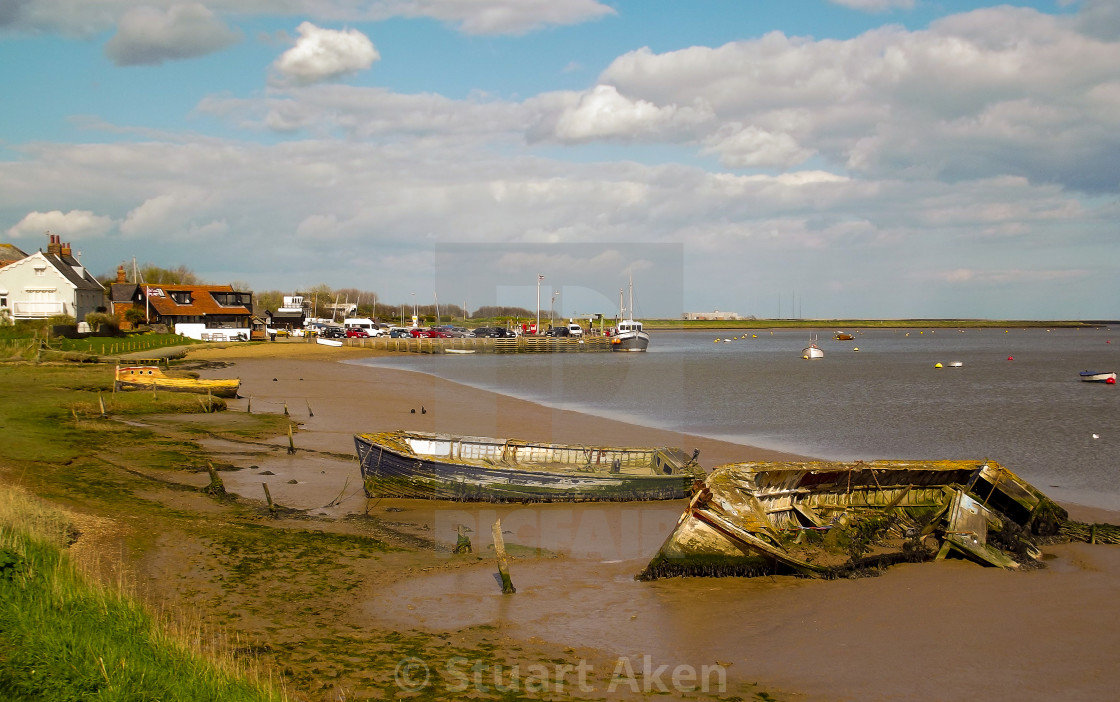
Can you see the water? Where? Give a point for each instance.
(1032, 413)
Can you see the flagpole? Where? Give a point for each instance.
(537, 329)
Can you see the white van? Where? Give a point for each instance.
(574, 329)
(363, 323)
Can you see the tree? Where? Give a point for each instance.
(180, 275)
(135, 316)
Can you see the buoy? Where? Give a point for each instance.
(938, 365)
(1095, 436)
(754, 336)
(1011, 358)
(856, 349)
(715, 341)
(1110, 381)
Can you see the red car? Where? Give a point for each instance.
(436, 334)
(352, 333)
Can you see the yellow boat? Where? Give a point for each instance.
(147, 377)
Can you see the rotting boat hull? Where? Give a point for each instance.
(469, 469)
(820, 519)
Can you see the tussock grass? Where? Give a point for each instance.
(65, 637)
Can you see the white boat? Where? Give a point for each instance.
(629, 335)
(327, 342)
(1098, 377)
(812, 351)
(956, 364)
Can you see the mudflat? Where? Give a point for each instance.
(936, 631)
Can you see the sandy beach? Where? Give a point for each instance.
(937, 631)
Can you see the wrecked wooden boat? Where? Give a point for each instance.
(475, 468)
(151, 377)
(825, 519)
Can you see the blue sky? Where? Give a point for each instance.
(868, 158)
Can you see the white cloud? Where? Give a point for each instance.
(603, 113)
(505, 16)
(149, 35)
(77, 223)
(490, 17)
(170, 212)
(325, 54)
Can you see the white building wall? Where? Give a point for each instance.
(35, 295)
(198, 330)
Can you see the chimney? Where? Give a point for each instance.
(64, 249)
(120, 274)
(55, 245)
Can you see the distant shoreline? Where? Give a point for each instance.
(856, 324)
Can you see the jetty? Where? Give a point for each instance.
(519, 344)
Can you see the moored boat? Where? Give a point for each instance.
(151, 377)
(812, 351)
(475, 468)
(820, 519)
(842, 336)
(1098, 376)
(327, 342)
(629, 334)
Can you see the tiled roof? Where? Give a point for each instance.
(202, 300)
(10, 254)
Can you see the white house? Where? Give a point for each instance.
(43, 285)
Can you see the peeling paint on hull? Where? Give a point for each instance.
(820, 519)
(483, 469)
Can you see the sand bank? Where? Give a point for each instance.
(939, 631)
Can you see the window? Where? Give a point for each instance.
(3, 301)
(181, 297)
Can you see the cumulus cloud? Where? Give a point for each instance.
(79, 223)
(325, 54)
(149, 35)
(1039, 96)
(603, 113)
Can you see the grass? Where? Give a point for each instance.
(67, 638)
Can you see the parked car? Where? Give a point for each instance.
(492, 332)
(399, 333)
(435, 334)
(357, 332)
(333, 333)
(558, 331)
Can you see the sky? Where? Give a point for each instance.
(810, 158)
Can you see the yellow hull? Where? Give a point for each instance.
(147, 377)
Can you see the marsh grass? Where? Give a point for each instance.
(65, 637)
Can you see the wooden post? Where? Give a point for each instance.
(309, 412)
(286, 411)
(209, 402)
(268, 496)
(249, 407)
(503, 566)
(462, 542)
(291, 441)
(216, 486)
(101, 401)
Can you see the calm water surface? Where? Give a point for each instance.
(1031, 413)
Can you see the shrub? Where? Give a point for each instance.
(102, 322)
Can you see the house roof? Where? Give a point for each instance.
(202, 300)
(73, 270)
(10, 254)
(125, 292)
